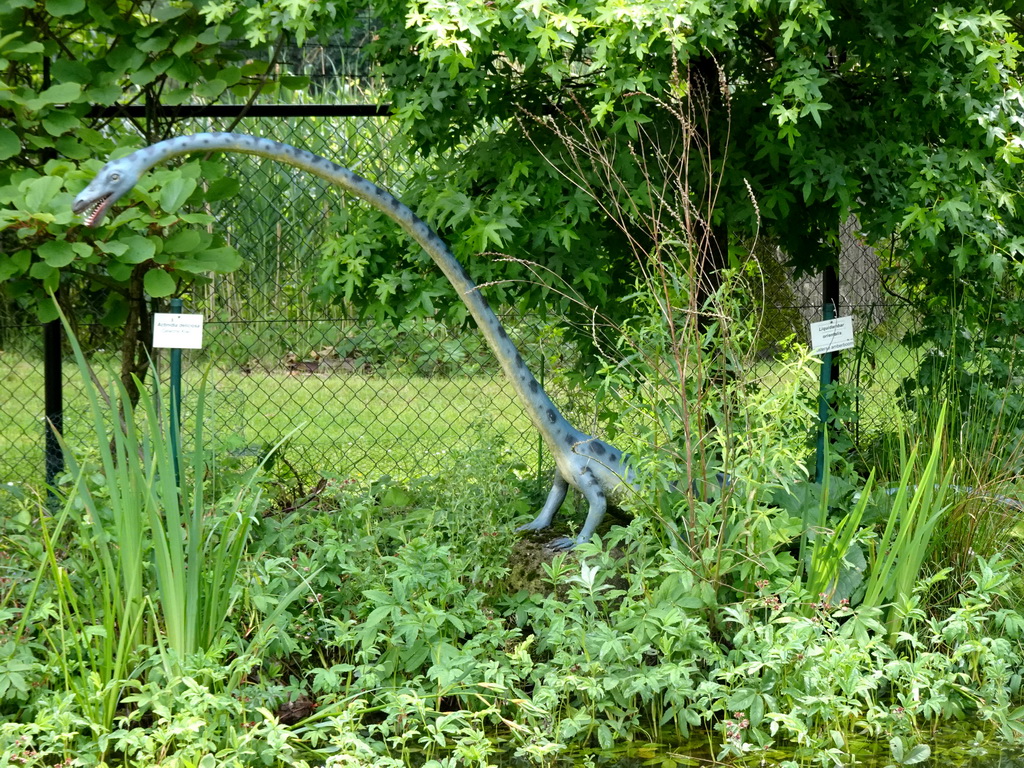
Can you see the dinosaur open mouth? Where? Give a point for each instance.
(93, 212)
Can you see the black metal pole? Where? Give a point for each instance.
(829, 368)
(830, 296)
(53, 383)
(53, 401)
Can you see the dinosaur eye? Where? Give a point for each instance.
(115, 177)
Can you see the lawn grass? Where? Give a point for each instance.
(350, 425)
(354, 425)
(359, 425)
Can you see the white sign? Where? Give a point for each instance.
(174, 331)
(832, 335)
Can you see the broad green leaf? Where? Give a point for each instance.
(896, 749)
(114, 247)
(167, 11)
(119, 270)
(41, 270)
(740, 700)
(220, 260)
(918, 754)
(61, 93)
(183, 241)
(293, 82)
(106, 94)
(222, 189)
(155, 43)
(46, 310)
(59, 122)
(64, 7)
(139, 249)
(124, 57)
(159, 284)
(57, 253)
(176, 192)
(73, 148)
(38, 192)
(12, 266)
(184, 45)
(230, 75)
(184, 70)
(210, 89)
(10, 144)
(116, 312)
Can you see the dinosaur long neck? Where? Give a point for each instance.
(542, 412)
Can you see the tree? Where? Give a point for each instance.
(905, 114)
(68, 66)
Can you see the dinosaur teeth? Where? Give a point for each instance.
(94, 212)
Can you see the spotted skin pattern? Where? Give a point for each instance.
(583, 462)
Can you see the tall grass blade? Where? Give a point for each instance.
(918, 505)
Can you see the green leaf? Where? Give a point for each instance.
(57, 253)
(210, 89)
(184, 70)
(73, 148)
(41, 270)
(47, 310)
(10, 144)
(222, 189)
(176, 192)
(61, 93)
(183, 241)
(184, 45)
(139, 249)
(114, 247)
(740, 700)
(40, 191)
(293, 82)
(159, 284)
(59, 122)
(896, 748)
(12, 266)
(918, 754)
(166, 12)
(221, 260)
(64, 7)
(119, 271)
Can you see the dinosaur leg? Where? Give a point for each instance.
(595, 495)
(555, 498)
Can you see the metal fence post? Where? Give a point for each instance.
(53, 378)
(53, 403)
(829, 366)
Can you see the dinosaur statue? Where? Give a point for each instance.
(586, 463)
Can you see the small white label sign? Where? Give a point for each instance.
(832, 335)
(174, 331)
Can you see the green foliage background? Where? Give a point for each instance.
(906, 114)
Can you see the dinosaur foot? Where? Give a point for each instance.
(532, 526)
(561, 544)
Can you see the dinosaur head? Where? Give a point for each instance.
(114, 181)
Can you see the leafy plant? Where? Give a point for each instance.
(156, 562)
(903, 754)
(919, 502)
(61, 60)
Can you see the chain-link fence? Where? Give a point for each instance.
(873, 370)
(353, 399)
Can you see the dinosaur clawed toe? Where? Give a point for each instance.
(561, 544)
